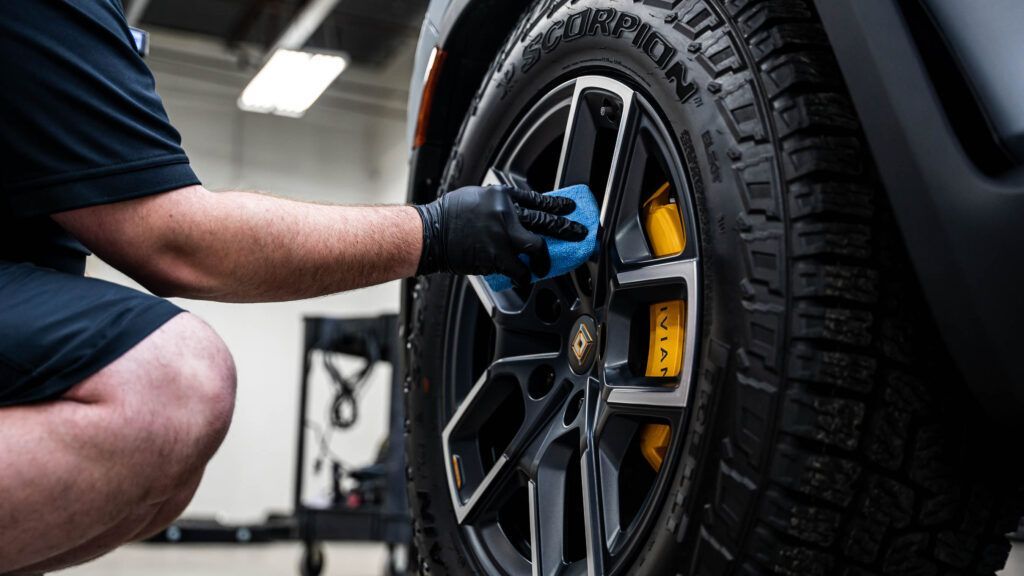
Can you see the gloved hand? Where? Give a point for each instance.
(482, 230)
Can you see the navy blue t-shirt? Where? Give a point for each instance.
(81, 124)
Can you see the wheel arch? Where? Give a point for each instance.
(470, 33)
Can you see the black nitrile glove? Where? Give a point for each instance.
(482, 230)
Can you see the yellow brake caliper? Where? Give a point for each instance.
(663, 225)
(666, 236)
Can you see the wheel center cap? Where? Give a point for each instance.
(582, 344)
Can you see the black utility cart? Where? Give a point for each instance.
(377, 510)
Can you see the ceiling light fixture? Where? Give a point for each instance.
(290, 82)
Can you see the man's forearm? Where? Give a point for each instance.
(253, 247)
(246, 247)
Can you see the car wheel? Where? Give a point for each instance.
(743, 379)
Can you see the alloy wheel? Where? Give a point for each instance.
(566, 402)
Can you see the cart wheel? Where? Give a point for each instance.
(312, 560)
(400, 560)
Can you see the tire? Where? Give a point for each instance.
(829, 432)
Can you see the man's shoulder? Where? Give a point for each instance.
(82, 122)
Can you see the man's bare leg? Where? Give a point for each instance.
(154, 519)
(119, 455)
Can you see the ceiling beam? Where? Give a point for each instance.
(247, 19)
(305, 23)
(136, 10)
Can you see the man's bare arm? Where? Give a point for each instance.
(246, 247)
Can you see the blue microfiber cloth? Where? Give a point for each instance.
(566, 256)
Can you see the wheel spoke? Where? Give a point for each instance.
(599, 106)
(488, 495)
(530, 141)
(616, 438)
(546, 531)
(593, 501)
(506, 309)
(552, 464)
(659, 273)
(548, 495)
(495, 304)
(495, 176)
(628, 232)
(624, 162)
(467, 471)
(487, 296)
(674, 276)
(662, 401)
(502, 390)
(593, 510)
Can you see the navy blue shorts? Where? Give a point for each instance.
(57, 329)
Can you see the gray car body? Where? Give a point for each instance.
(962, 225)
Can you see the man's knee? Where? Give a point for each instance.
(201, 377)
(170, 400)
(199, 388)
(210, 382)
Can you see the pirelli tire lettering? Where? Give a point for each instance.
(613, 23)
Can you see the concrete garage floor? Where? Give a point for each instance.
(276, 560)
(254, 560)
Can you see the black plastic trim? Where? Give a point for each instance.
(959, 94)
(961, 226)
(985, 40)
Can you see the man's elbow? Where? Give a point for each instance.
(171, 276)
(167, 285)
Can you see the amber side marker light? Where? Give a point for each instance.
(430, 78)
(457, 470)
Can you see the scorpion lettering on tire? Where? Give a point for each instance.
(613, 23)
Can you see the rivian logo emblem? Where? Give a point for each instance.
(581, 344)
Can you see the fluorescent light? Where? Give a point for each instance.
(290, 82)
